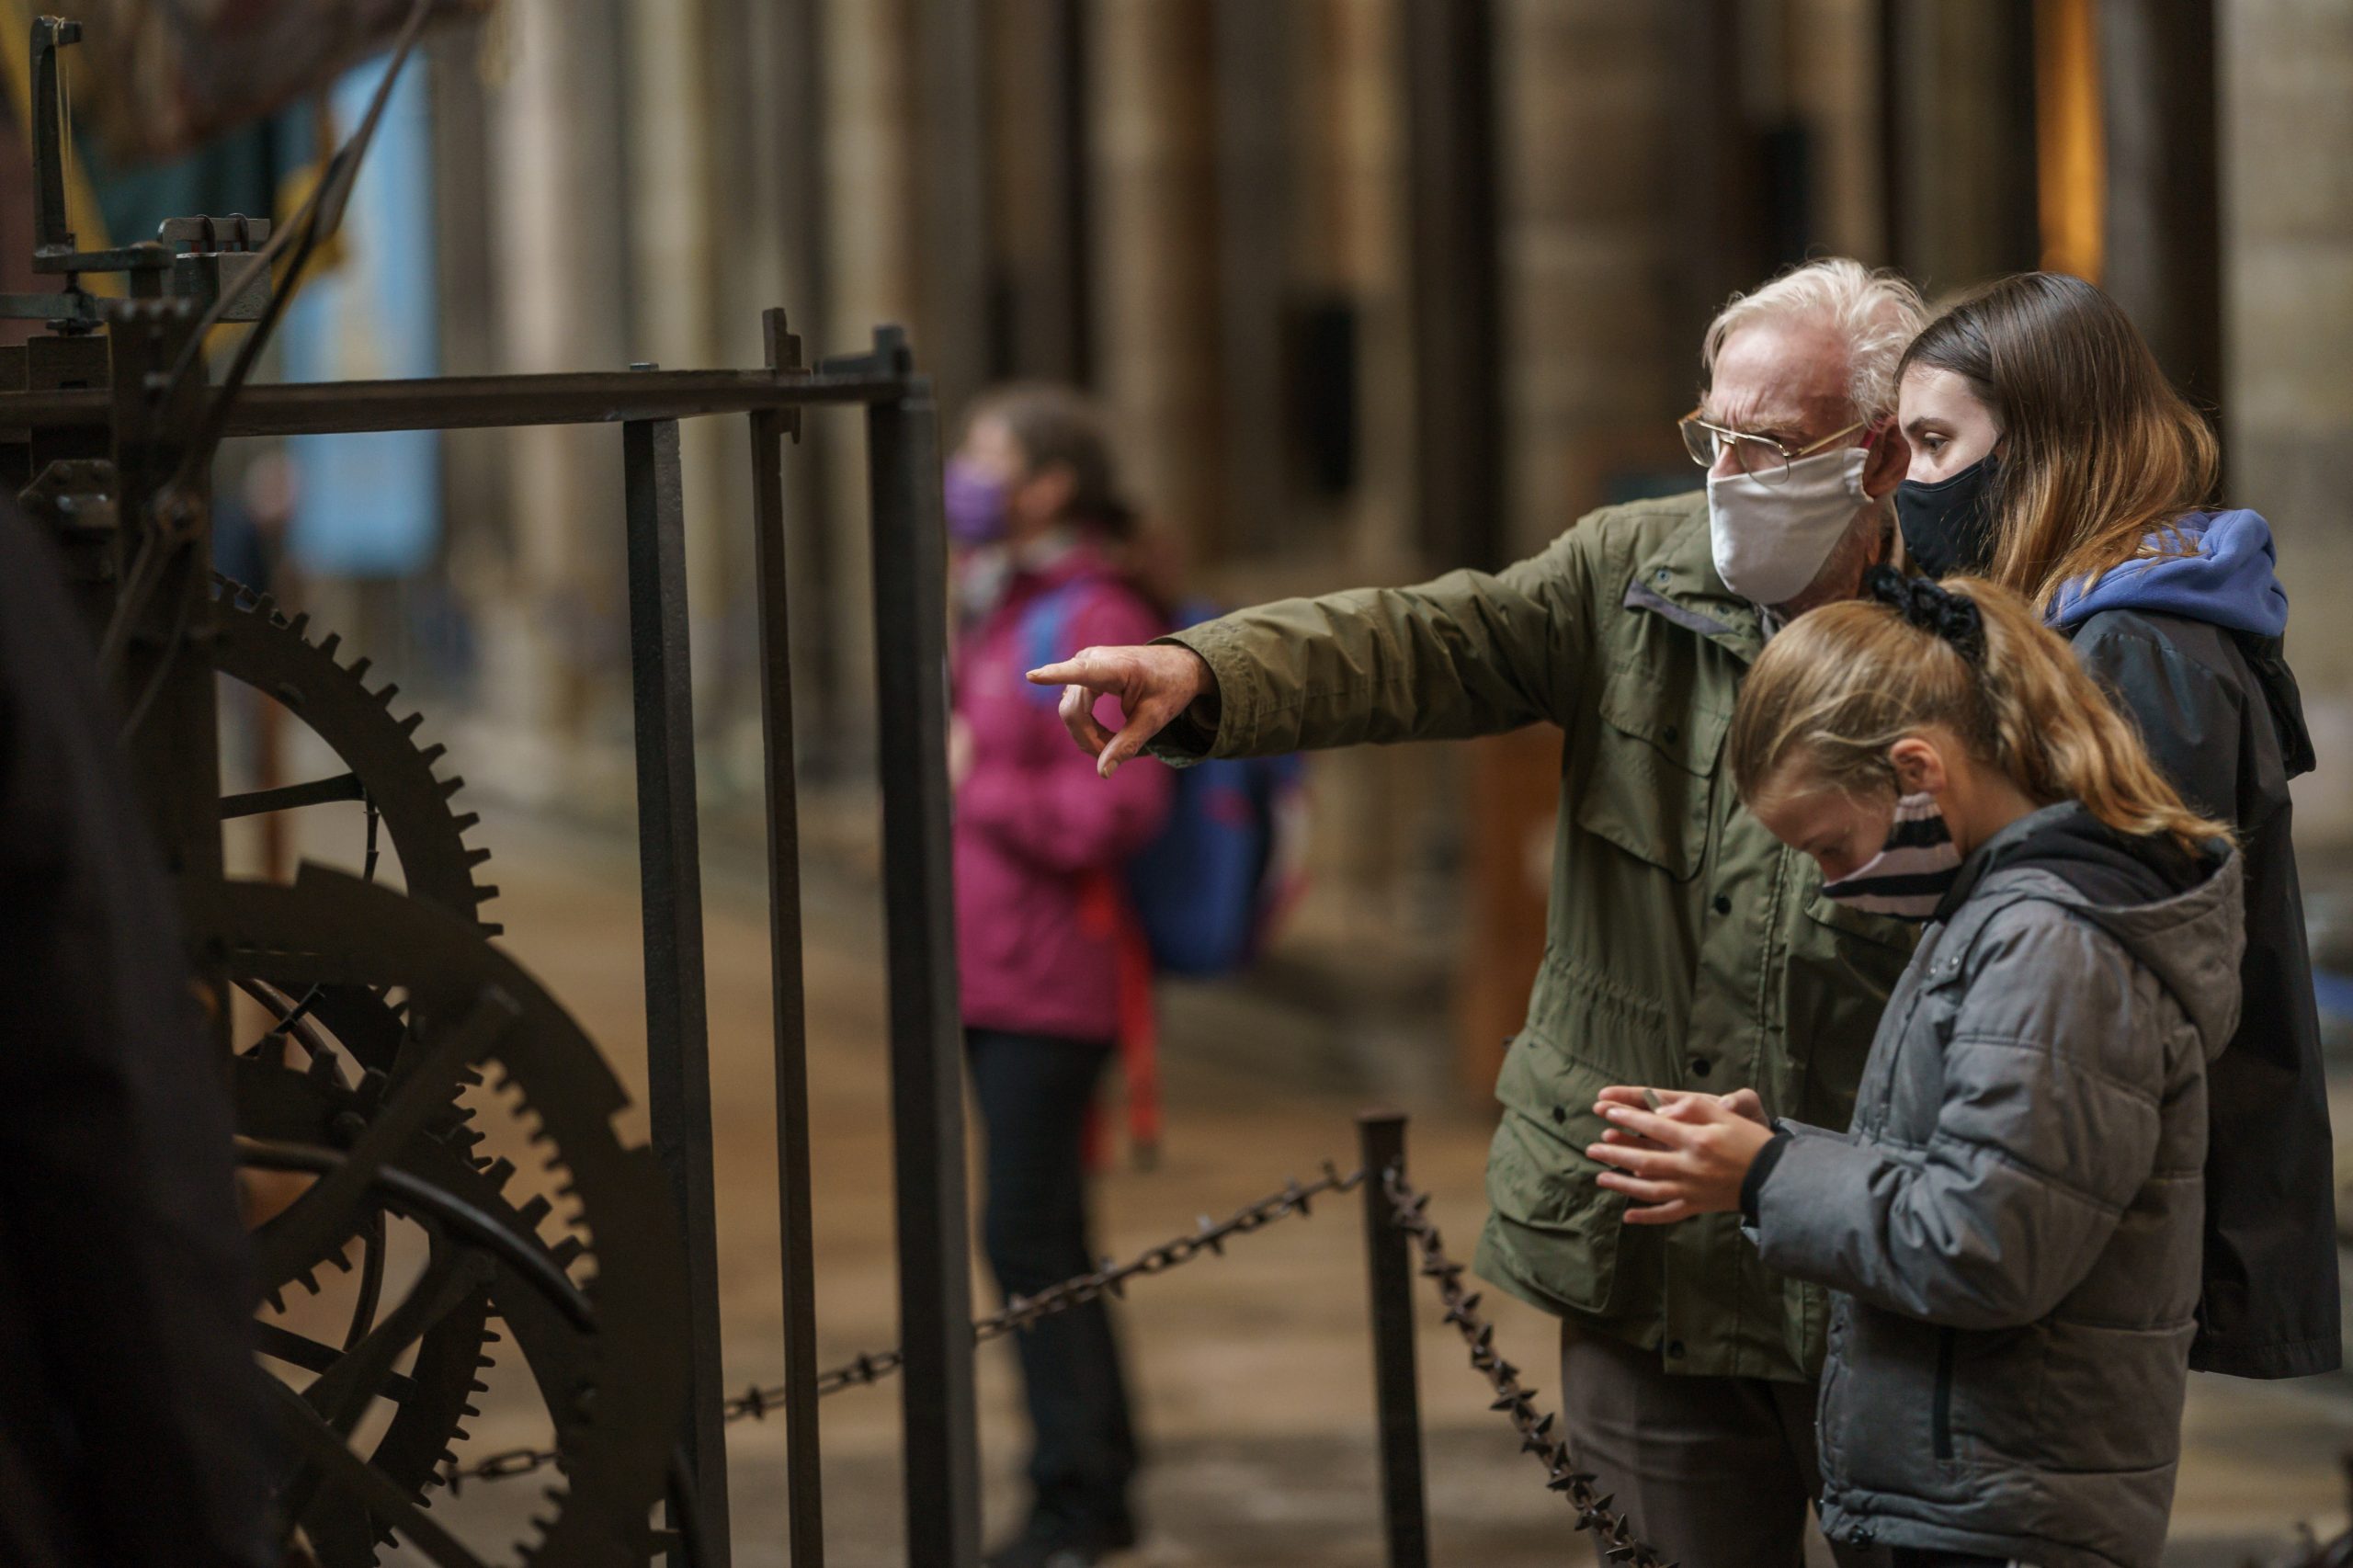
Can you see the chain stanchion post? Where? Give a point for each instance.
(1389, 1267)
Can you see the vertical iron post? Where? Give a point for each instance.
(677, 1042)
(927, 1044)
(1381, 1141)
(804, 1498)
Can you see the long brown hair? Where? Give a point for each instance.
(2099, 453)
(1840, 685)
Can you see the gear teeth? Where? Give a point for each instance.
(409, 725)
(485, 893)
(330, 643)
(358, 669)
(476, 857)
(277, 1300)
(567, 1251)
(266, 603)
(467, 821)
(451, 785)
(384, 697)
(493, 929)
(536, 1210)
(300, 624)
(500, 1170)
(308, 1280)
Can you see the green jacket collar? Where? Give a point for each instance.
(1680, 583)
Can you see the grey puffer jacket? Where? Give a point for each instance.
(2014, 1219)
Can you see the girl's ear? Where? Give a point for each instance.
(1920, 767)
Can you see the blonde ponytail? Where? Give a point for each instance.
(1841, 684)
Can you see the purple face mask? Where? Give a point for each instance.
(975, 503)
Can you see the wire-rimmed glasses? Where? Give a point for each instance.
(1759, 457)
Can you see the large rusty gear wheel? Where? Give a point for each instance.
(255, 644)
(604, 1354)
(350, 1040)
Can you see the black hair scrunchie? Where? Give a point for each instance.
(1921, 602)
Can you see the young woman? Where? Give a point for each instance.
(1034, 508)
(2012, 1220)
(2049, 453)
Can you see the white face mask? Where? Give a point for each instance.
(1770, 540)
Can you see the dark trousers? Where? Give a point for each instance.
(1034, 1091)
(1716, 1473)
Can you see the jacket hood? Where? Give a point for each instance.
(2181, 916)
(2211, 566)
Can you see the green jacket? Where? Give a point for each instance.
(1686, 946)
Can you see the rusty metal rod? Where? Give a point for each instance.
(471, 402)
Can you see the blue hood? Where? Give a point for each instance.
(2224, 579)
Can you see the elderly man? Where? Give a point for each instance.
(1687, 947)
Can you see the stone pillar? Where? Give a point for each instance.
(2286, 121)
(1155, 213)
(1962, 197)
(678, 113)
(1587, 248)
(870, 265)
(554, 635)
(1835, 76)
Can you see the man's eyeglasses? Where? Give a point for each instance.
(1759, 457)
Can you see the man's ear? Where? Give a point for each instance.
(1920, 767)
(1890, 459)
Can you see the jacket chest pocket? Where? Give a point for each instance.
(1650, 781)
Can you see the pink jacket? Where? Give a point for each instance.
(1039, 838)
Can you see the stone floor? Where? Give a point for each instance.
(1252, 1370)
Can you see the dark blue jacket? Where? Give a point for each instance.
(2188, 642)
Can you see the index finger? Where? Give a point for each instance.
(1072, 671)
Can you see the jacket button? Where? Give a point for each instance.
(1700, 1066)
(1674, 1348)
(1670, 734)
(1661, 574)
(1559, 1115)
(1724, 903)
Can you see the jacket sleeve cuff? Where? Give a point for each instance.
(1238, 705)
(1752, 1185)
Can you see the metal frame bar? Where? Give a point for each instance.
(941, 1441)
(474, 403)
(804, 1494)
(1389, 1264)
(678, 1041)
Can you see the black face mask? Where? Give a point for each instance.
(1948, 526)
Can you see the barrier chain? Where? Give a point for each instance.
(1611, 1529)
(1019, 1313)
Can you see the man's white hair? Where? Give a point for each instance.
(1874, 311)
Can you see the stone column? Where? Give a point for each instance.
(1594, 378)
(554, 635)
(1154, 212)
(2286, 123)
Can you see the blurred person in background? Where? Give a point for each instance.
(1045, 939)
(1687, 947)
(2049, 452)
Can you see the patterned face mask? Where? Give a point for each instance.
(1911, 875)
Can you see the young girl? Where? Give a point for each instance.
(2049, 453)
(2013, 1220)
(1034, 505)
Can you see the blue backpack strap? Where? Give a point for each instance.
(1045, 636)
